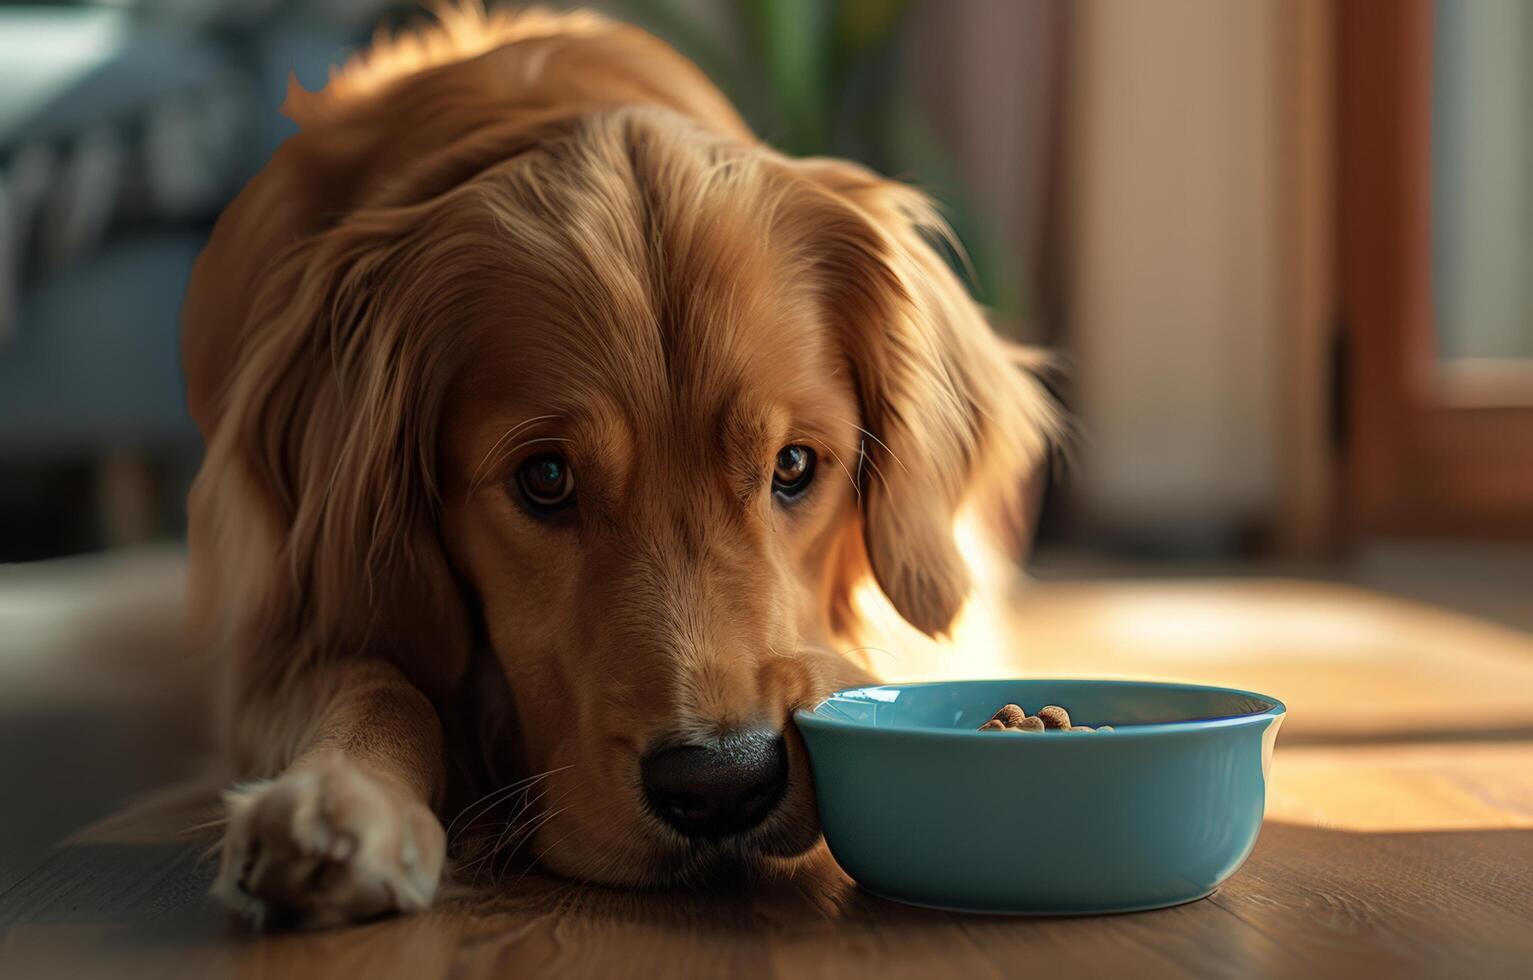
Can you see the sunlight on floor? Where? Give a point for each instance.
(1203, 624)
(1409, 787)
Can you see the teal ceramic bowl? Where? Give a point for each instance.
(920, 807)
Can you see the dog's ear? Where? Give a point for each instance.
(314, 519)
(953, 415)
(317, 336)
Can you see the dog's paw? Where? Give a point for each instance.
(326, 846)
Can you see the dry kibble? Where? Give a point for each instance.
(1011, 718)
(1010, 715)
(1054, 716)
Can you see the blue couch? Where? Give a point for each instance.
(122, 135)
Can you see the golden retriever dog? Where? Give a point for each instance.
(551, 420)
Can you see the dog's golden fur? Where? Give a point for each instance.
(514, 232)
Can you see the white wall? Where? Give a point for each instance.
(1173, 294)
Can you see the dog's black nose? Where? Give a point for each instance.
(717, 788)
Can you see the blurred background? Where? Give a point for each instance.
(1284, 246)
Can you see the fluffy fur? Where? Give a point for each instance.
(509, 233)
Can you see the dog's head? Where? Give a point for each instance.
(634, 406)
(709, 389)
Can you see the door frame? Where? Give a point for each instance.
(1423, 452)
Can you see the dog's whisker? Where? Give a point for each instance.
(473, 483)
(529, 831)
(827, 651)
(496, 796)
(856, 488)
(517, 830)
(877, 440)
(879, 473)
(454, 839)
(536, 857)
(546, 850)
(511, 829)
(512, 451)
(872, 649)
(503, 437)
(478, 865)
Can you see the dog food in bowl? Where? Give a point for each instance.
(1013, 718)
(918, 806)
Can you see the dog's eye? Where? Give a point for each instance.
(547, 483)
(793, 471)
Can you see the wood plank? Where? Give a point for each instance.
(96, 883)
(1452, 903)
(1310, 899)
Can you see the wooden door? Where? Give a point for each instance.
(1430, 444)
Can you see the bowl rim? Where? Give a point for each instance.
(811, 718)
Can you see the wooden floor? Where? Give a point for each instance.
(1398, 842)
